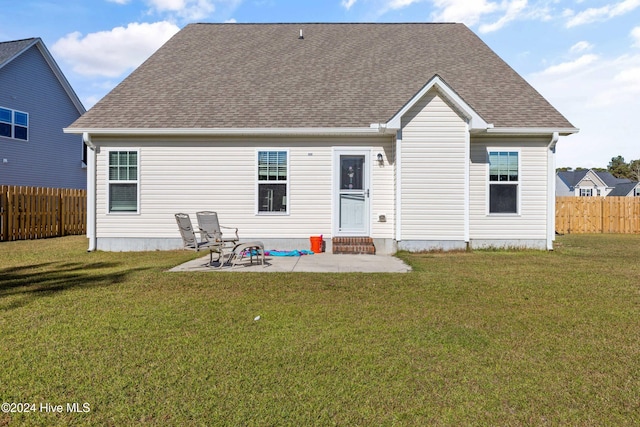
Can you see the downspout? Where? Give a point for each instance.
(398, 186)
(551, 188)
(91, 191)
(467, 185)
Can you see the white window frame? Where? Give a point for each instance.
(258, 182)
(13, 124)
(109, 181)
(585, 191)
(518, 183)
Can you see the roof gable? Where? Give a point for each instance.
(11, 50)
(226, 76)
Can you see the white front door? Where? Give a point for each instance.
(351, 189)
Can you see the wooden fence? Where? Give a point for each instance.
(597, 215)
(36, 213)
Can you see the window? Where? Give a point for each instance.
(636, 191)
(14, 124)
(586, 192)
(123, 181)
(273, 181)
(503, 181)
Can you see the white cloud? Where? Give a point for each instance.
(190, 10)
(112, 53)
(581, 46)
(399, 4)
(570, 67)
(119, 1)
(348, 3)
(513, 10)
(467, 11)
(635, 35)
(602, 13)
(598, 95)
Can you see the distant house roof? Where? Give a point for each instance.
(10, 50)
(623, 189)
(335, 75)
(572, 178)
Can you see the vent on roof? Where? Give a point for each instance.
(300, 37)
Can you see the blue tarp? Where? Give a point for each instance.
(288, 253)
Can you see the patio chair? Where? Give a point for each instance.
(211, 231)
(189, 238)
(230, 246)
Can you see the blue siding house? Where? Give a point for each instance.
(36, 102)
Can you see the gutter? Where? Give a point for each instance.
(551, 188)
(91, 191)
(374, 129)
(532, 131)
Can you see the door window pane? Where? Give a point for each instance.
(352, 172)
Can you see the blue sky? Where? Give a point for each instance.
(582, 55)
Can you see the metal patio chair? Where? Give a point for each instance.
(190, 241)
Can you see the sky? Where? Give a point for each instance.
(583, 56)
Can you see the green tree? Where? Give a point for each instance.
(634, 165)
(619, 168)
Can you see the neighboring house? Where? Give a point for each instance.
(417, 136)
(36, 103)
(590, 183)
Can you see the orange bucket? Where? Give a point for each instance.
(316, 244)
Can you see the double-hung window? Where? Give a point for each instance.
(273, 181)
(14, 124)
(123, 181)
(504, 181)
(586, 192)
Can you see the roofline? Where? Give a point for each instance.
(34, 40)
(531, 131)
(352, 131)
(37, 41)
(476, 122)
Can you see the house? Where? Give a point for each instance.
(36, 103)
(411, 136)
(590, 183)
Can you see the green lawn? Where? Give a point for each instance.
(479, 338)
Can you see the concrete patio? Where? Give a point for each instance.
(316, 263)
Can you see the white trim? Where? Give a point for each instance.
(551, 190)
(13, 124)
(399, 185)
(108, 181)
(368, 131)
(91, 192)
(518, 183)
(335, 215)
(473, 118)
(532, 131)
(257, 183)
(467, 185)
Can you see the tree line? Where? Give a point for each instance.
(617, 167)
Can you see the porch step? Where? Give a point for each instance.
(353, 245)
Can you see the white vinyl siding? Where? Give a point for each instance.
(433, 171)
(531, 220)
(219, 174)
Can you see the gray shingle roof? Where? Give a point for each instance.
(339, 75)
(11, 48)
(572, 178)
(622, 189)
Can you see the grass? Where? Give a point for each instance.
(478, 338)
